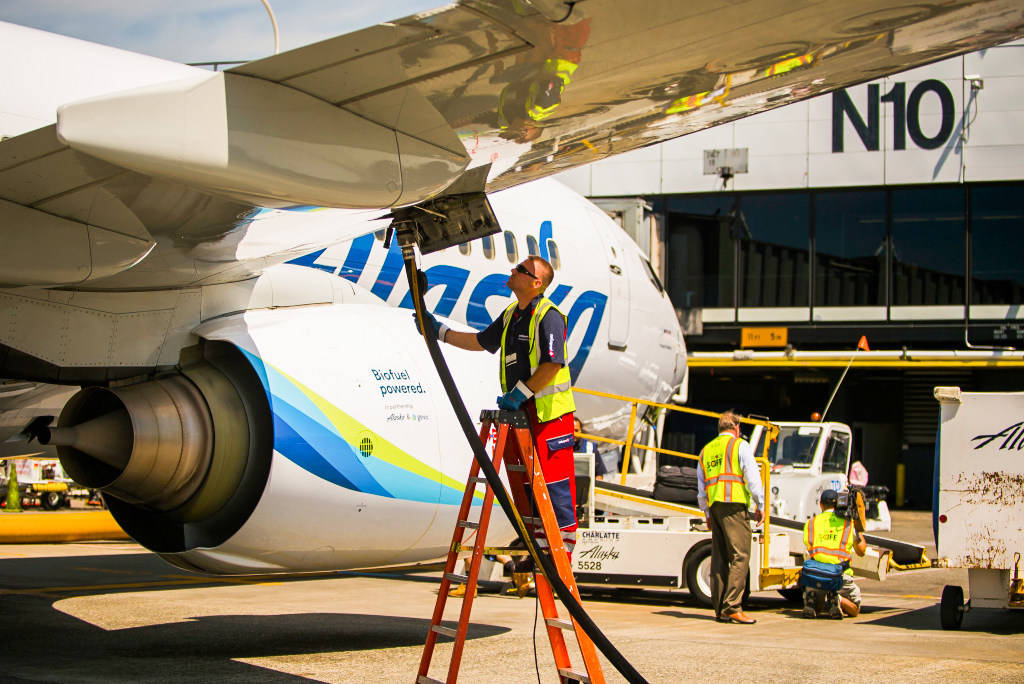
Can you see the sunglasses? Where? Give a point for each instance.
(522, 269)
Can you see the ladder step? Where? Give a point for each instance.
(469, 524)
(532, 520)
(481, 479)
(574, 675)
(424, 679)
(516, 468)
(560, 623)
(456, 577)
(447, 631)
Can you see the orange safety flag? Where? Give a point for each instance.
(863, 343)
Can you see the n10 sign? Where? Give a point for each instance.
(906, 115)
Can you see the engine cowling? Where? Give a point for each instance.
(295, 439)
(182, 458)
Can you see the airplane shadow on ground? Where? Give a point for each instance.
(201, 649)
(43, 643)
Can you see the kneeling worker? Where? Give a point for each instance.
(832, 539)
(534, 373)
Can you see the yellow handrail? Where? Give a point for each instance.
(771, 433)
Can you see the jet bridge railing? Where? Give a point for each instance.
(769, 575)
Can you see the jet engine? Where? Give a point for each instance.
(183, 458)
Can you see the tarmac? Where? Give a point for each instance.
(112, 612)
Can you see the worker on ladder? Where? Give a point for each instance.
(534, 373)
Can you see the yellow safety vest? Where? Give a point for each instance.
(562, 69)
(723, 477)
(829, 538)
(556, 399)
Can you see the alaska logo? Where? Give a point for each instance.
(1012, 436)
(588, 306)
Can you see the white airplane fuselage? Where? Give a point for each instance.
(331, 442)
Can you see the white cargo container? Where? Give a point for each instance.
(979, 509)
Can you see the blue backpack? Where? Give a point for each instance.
(822, 576)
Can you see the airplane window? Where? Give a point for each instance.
(652, 275)
(511, 251)
(531, 246)
(556, 261)
(487, 244)
(465, 248)
(379, 235)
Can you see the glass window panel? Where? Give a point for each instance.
(774, 249)
(487, 244)
(701, 255)
(553, 257)
(997, 222)
(532, 248)
(511, 250)
(928, 246)
(850, 248)
(837, 453)
(700, 267)
(465, 248)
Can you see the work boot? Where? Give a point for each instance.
(809, 611)
(523, 582)
(459, 591)
(834, 611)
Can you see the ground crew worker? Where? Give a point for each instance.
(534, 374)
(832, 539)
(727, 480)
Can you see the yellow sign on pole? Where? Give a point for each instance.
(764, 337)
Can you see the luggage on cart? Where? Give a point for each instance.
(677, 484)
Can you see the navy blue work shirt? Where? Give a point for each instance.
(550, 339)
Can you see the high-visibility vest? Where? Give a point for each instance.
(723, 477)
(556, 399)
(829, 538)
(561, 69)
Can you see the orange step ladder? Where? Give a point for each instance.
(514, 448)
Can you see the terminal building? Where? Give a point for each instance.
(892, 211)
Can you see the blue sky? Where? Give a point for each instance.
(204, 30)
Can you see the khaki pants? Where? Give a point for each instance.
(730, 556)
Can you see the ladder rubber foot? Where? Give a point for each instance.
(559, 623)
(566, 673)
(469, 524)
(447, 631)
(456, 577)
(424, 679)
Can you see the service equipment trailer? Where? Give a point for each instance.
(978, 514)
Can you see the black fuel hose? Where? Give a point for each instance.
(570, 602)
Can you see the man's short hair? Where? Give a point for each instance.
(728, 420)
(543, 270)
(829, 498)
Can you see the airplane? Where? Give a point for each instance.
(198, 250)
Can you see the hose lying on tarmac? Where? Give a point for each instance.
(543, 560)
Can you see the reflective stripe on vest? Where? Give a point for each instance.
(821, 543)
(556, 399)
(724, 482)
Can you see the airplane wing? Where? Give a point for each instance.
(138, 181)
(538, 86)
